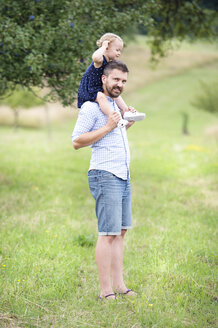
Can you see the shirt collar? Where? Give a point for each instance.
(110, 99)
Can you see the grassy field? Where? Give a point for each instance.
(48, 276)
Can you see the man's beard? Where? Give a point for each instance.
(110, 91)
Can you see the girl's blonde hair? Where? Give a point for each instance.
(107, 37)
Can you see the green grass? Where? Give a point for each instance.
(48, 275)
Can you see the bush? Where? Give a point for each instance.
(84, 241)
(208, 99)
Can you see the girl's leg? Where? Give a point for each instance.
(102, 100)
(107, 110)
(121, 104)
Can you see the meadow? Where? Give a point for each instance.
(48, 230)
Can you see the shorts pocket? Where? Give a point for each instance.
(93, 185)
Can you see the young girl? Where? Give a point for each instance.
(110, 47)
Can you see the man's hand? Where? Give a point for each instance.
(88, 138)
(113, 120)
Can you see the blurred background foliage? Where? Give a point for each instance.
(49, 43)
(207, 99)
(21, 97)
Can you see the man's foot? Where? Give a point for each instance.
(134, 116)
(122, 123)
(111, 296)
(128, 292)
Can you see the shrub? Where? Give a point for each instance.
(208, 98)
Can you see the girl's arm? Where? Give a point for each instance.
(97, 56)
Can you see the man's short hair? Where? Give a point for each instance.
(115, 64)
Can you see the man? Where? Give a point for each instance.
(108, 178)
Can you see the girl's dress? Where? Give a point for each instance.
(91, 83)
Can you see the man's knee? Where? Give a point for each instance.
(123, 231)
(108, 239)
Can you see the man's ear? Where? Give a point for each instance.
(103, 78)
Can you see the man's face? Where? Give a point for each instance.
(114, 83)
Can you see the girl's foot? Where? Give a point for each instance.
(134, 116)
(122, 123)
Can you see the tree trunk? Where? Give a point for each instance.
(185, 123)
(16, 119)
(47, 121)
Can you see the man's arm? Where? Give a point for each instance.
(88, 138)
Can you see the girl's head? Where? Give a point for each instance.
(108, 37)
(115, 45)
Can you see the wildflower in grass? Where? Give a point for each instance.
(47, 231)
(196, 148)
(145, 298)
(150, 305)
(3, 265)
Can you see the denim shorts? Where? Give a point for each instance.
(112, 201)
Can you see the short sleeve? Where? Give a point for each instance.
(86, 119)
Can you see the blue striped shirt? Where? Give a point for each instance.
(110, 153)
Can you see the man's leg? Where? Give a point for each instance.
(103, 255)
(117, 263)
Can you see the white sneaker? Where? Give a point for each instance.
(136, 116)
(122, 123)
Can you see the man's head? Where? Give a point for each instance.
(114, 78)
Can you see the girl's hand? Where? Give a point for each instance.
(105, 43)
(131, 109)
(97, 56)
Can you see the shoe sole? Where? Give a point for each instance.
(135, 118)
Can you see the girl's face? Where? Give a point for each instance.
(114, 49)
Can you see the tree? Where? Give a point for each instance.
(49, 43)
(20, 98)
